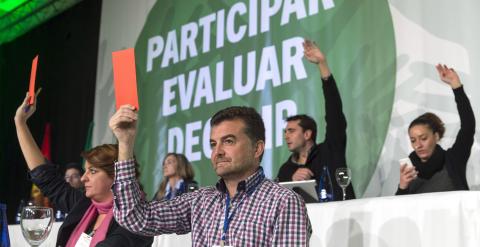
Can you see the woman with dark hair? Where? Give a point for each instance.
(177, 177)
(435, 169)
(90, 212)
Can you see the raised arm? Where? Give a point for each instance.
(131, 210)
(465, 137)
(336, 123)
(31, 152)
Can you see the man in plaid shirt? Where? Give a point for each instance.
(243, 209)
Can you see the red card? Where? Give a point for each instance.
(33, 74)
(125, 78)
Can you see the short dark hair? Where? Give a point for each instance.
(306, 122)
(432, 121)
(254, 126)
(74, 165)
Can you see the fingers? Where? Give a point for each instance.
(35, 97)
(307, 45)
(124, 114)
(26, 100)
(38, 92)
(402, 168)
(443, 69)
(409, 173)
(127, 111)
(307, 42)
(439, 69)
(308, 172)
(302, 174)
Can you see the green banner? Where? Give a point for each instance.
(195, 57)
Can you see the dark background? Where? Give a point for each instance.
(67, 46)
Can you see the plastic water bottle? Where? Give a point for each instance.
(325, 186)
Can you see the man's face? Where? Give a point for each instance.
(295, 137)
(72, 176)
(234, 156)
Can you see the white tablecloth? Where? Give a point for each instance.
(428, 220)
(17, 240)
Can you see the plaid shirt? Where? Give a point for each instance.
(268, 216)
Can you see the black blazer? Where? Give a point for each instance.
(74, 201)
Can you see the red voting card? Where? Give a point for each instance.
(125, 78)
(33, 74)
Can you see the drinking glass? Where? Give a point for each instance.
(343, 177)
(36, 223)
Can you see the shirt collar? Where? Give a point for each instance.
(177, 185)
(248, 184)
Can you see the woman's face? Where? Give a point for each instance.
(170, 166)
(97, 183)
(423, 141)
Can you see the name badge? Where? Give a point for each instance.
(83, 241)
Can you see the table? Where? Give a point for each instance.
(426, 220)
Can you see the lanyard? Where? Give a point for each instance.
(228, 216)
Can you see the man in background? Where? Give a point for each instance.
(73, 173)
(308, 159)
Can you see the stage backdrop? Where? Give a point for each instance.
(196, 57)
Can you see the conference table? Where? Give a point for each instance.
(424, 220)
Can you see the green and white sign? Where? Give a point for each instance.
(195, 57)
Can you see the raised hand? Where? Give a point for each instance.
(25, 110)
(312, 53)
(124, 124)
(448, 75)
(31, 152)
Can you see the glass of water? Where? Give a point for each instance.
(343, 177)
(36, 223)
